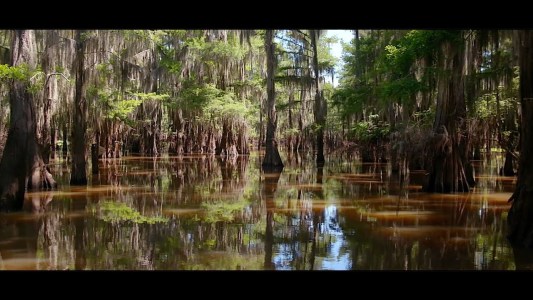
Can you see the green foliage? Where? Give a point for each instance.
(290, 132)
(118, 108)
(213, 52)
(385, 67)
(424, 118)
(416, 44)
(115, 107)
(402, 55)
(211, 103)
(168, 59)
(485, 107)
(197, 97)
(173, 66)
(196, 42)
(403, 89)
(370, 131)
(21, 73)
(104, 70)
(37, 81)
(121, 109)
(151, 96)
(254, 82)
(231, 49)
(165, 44)
(326, 61)
(222, 211)
(59, 69)
(117, 212)
(350, 99)
(84, 36)
(35, 78)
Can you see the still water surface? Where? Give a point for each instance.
(207, 213)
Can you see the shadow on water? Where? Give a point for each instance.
(202, 212)
(269, 186)
(523, 258)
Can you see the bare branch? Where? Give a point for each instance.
(54, 74)
(37, 73)
(57, 73)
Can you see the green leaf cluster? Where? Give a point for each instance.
(212, 103)
(21, 72)
(371, 131)
(118, 212)
(223, 211)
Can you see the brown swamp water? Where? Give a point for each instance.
(207, 213)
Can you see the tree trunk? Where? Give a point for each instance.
(301, 122)
(79, 156)
(320, 108)
(260, 141)
(53, 142)
(222, 148)
(95, 149)
(508, 169)
(520, 219)
(158, 113)
(272, 159)
(45, 132)
(242, 141)
(289, 119)
(449, 168)
(21, 163)
(477, 153)
(180, 131)
(64, 148)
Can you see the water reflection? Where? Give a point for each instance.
(269, 186)
(207, 212)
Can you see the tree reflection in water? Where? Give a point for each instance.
(227, 214)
